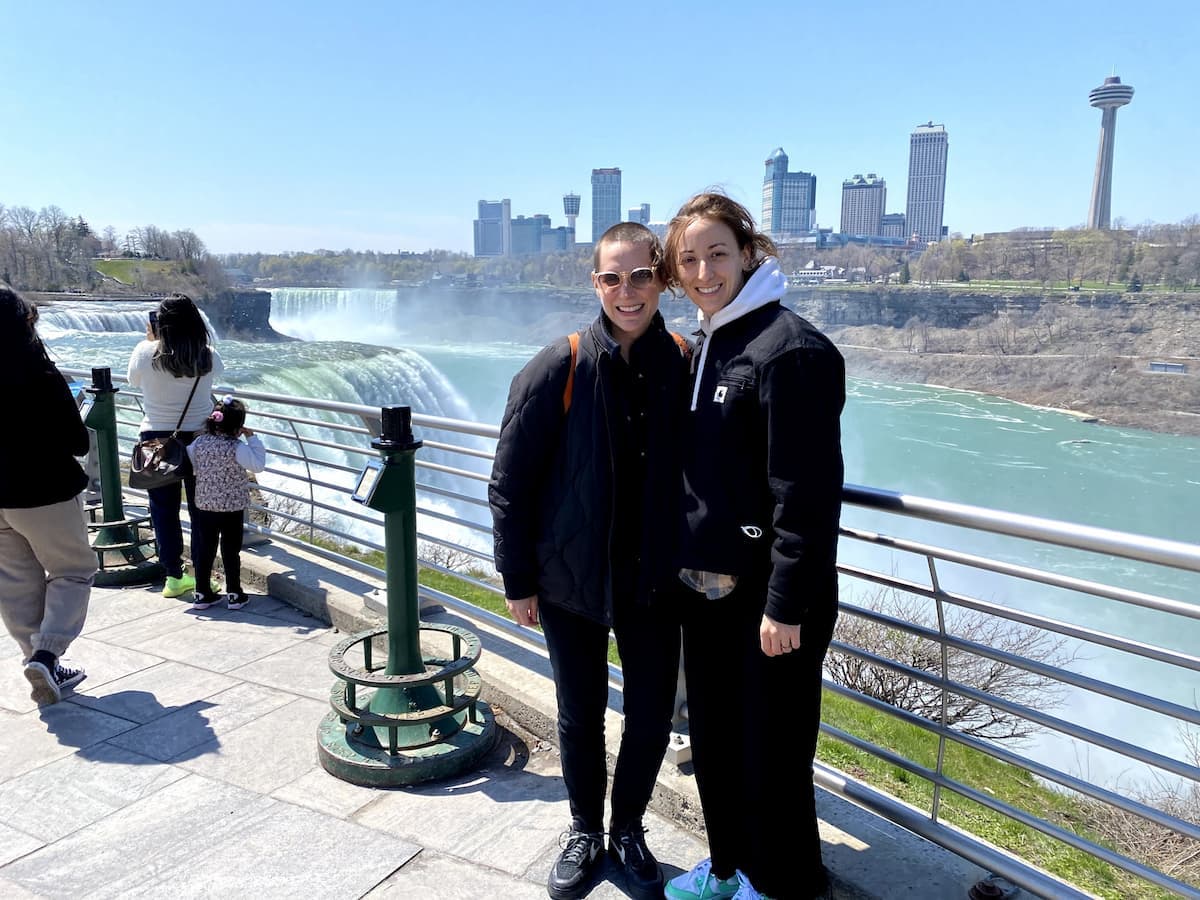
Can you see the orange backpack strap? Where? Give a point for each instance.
(684, 347)
(570, 388)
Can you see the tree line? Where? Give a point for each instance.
(49, 250)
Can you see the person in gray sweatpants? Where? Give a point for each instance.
(46, 563)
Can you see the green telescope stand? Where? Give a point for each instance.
(421, 718)
(124, 544)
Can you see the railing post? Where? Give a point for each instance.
(124, 545)
(409, 731)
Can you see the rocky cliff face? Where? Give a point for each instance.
(242, 315)
(957, 308)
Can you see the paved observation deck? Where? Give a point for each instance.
(186, 766)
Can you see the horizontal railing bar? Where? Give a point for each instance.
(1137, 648)
(465, 451)
(1029, 714)
(1123, 595)
(450, 545)
(423, 487)
(454, 520)
(1051, 531)
(449, 470)
(1055, 673)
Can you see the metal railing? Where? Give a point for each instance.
(316, 449)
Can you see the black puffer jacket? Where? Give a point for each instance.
(762, 452)
(552, 493)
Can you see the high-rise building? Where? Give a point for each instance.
(606, 200)
(639, 214)
(863, 203)
(892, 225)
(571, 211)
(527, 233)
(927, 149)
(1108, 98)
(789, 199)
(493, 228)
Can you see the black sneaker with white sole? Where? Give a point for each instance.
(627, 847)
(49, 682)
(571, 874)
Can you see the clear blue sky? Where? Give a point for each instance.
(379, 125)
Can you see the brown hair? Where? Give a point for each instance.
(720, 208)
(631, 233)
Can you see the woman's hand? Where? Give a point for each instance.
(246, 432)
(776, 638)
(524, 611)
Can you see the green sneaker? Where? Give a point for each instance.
(701, 884)
(177, 587)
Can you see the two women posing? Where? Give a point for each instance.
(595, 527)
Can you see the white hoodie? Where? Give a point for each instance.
(768, 283)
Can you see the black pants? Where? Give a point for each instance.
(648, 641)
(753, 721)
(208, 529)
(164, 510)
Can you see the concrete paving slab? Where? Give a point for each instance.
(115, 606)
(201, 838)
(54, 800)
(264, 754)
(14, 844)
(143, 632)
(10, 890)
(53, 732)
(182, 733)
(514, 818)
(153, 692)
(320, 791)
(221, 645)
(302, 668)
(431, 874)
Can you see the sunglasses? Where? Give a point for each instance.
(638, 278)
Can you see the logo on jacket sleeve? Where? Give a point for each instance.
(752, 531)
(719, 395)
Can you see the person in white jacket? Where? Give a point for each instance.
(176, 367)
(221, 460)
(763, 472)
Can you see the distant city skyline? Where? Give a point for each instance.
(295, 126)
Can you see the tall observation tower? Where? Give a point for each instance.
(1108, 98)
(571, 209)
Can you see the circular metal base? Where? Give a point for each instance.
(363, 764)
(139, 573)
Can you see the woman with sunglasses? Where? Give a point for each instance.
(584, 488)
(762, 467)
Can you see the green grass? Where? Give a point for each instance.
(124, 270)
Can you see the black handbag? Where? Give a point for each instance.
(157, 462)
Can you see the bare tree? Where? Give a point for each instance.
(924, 697)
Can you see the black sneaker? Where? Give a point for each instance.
(49, 683)
(627, 847)
(572, 871)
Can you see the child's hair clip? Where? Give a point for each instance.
(227, 399)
